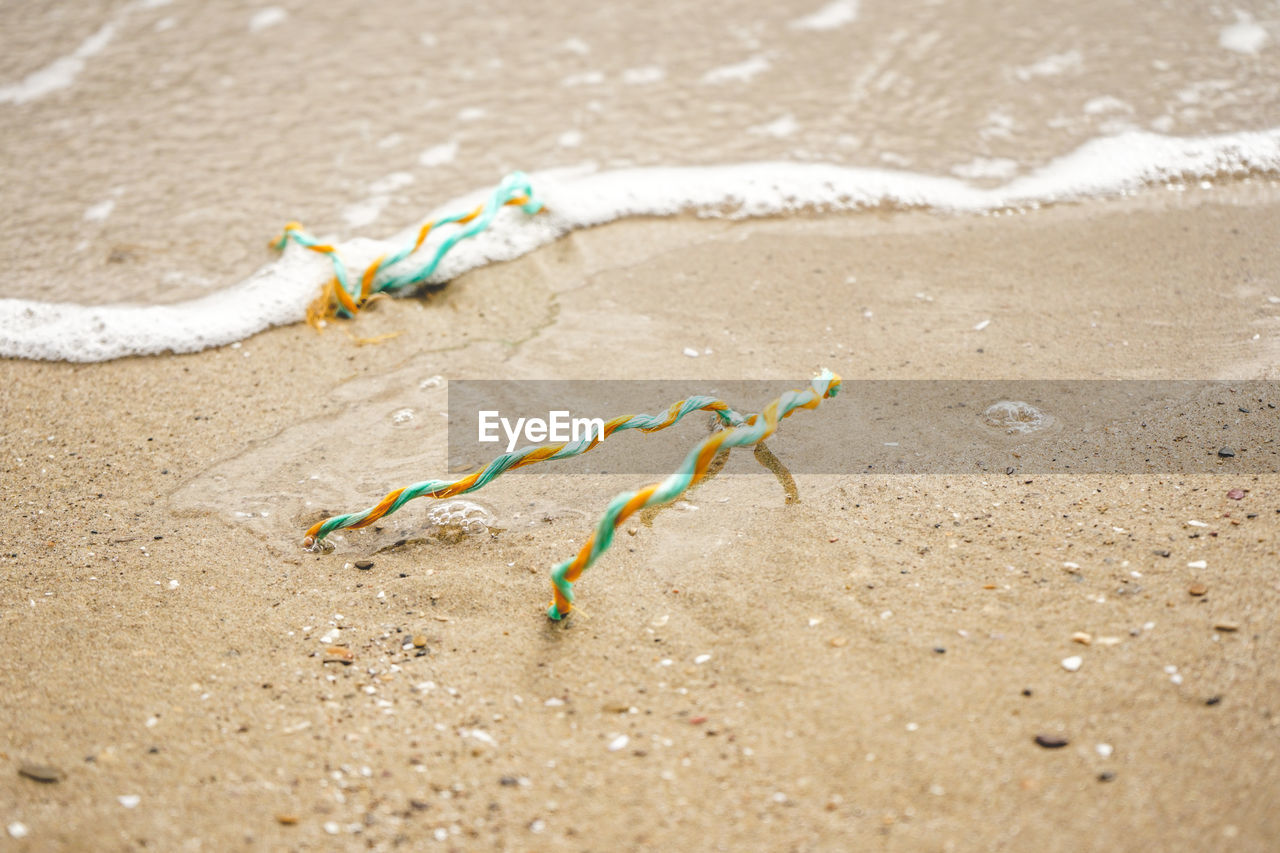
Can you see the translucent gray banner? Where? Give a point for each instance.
(1017, 427)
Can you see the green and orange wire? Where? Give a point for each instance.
(753, 431)
(440, 489)
(341, 298)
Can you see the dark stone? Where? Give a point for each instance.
(1051, 741)
(1226, 452)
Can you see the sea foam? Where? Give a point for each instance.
(280, 292)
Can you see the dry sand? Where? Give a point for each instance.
(154, 645)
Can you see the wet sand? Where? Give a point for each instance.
(882, 654)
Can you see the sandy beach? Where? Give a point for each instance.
(951, 661)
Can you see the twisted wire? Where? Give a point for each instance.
(518, 459)
(342, 298)
(753, 430)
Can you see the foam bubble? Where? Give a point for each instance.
(439, 155)
(1244, 36)
(279, 292)
(268, 17)
(1014, 417)
(459, 517)
(740, 72)
(835, 14)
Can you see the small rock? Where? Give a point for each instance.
(837, 642)
(419, 641)
(1236, 494)
(508, 781)
(1051, 741)
(1161, 553)
(1104, 749)
(364, 565)
(1106, 776)
(286, 819)
(1072, 663)
(1227, 627)
(18, 829)
(939, 650)
(339, 654)
(1213, 700)
(40, 772)
(618, 743)
(129, 801)
(1226, 452)
(615, 707)
(1082, 638)
(1197, 589)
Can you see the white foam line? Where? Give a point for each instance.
(279, 292)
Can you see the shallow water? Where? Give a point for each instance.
(155, 147)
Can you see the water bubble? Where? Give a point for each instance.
(1014, 417)
(459, 518)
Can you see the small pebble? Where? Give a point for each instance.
(1213, 700)
(619, 743)
(1226, 452)
(129, 801)
(837, 642)
(1227, 627)
(286, 819)
(1051, 741)
(1104, 749)
(364, 565)
(1082, 638)
(1197, 589)
(1072, 663)
(339, 654)
(18, 829)
(419, 641)
(1236, 494)
(1106, 776)
(508, 781)
(939, 650)
(40, 772)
